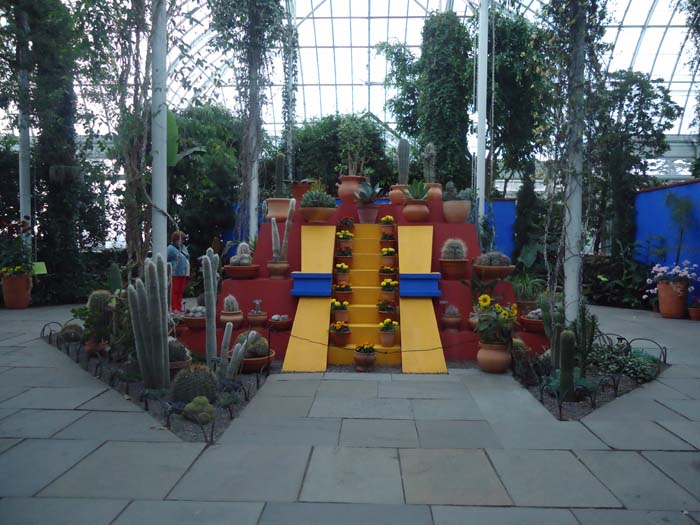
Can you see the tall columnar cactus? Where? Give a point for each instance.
(567, 356)
(225, 344)
(403, 157)
(170, 286)
(429, 162)
(210, 262)
(454, 249)
(287, 229)
(585, 327)
(279, 176)
(148, 306)
(275, 240)
(114, 278)
(234, 365)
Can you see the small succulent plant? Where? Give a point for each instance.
(452, 310)
(317, 199)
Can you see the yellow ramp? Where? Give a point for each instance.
(421, 348)
(308, 345)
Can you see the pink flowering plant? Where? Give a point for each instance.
(686, 273)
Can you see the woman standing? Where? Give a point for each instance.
(179, 258)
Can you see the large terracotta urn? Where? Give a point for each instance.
(299, 189)
(456, 212)
(673, 299)
(277, 208)
(416, 211)
(17, 291)
(434, 191)
(396, 194)
(347, 187)
(493, 358)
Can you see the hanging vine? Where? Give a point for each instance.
(289, 90)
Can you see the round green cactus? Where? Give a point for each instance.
(255, 345)
(193, 382)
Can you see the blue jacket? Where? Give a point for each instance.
(180, 260)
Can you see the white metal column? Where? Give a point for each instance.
(482, 77)
(25, 188)
(159, 124)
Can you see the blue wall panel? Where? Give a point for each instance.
(504, 219)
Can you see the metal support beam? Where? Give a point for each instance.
(159, 125)
(25, 188)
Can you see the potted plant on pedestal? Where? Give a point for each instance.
(387, 332)
(257, 317)
(397, 195)
(340, 311)
(317, 207)
(342, 291)
(672, 284)
(451, 319)
(453, 259)
(388, 290)
(278, 206)
(346, 223)
(344, 239)
(16, 265)
(354, 135)
(300, 188)
(387, 272)
(429, 169)
(364, 357)
(343, 255)
(416, 208)
(279, 266)
(387, 240)
(366, 208)
(342, 272)
(527, 289)
(389, 257)
(339, 333)
(456, 205)
(241, 265)
(387, 310)
(231, 312)
(493, 265)
(495, 330)
(386, 225)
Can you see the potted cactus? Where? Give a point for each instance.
(451, 319)
(280, 322)
(416, 208)
(387, 310)
(256, 351)
(453, 259)
(339, 333)
(195, 317)
(257, 317)
(456, 205)
(278, 206)
(493, 265)
(340, 311)
(387, 332)
(429, 169)
(231, 312)
(366, 208)
(317, 207)
(241, 265)
(397, 195)
(279, 266)
(179, 356)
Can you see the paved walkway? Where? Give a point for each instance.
(350, 448)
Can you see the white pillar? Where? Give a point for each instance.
(253, 196)
(25, 187)
(159, 124)
(572, 250)
(481, 90)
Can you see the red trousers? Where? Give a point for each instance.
(176, 292)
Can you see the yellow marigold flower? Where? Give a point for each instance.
(345, 303)
(484, 300)
(395, 323)
(498, 308)
(505, 314)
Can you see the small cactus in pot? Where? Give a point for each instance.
(231, 312)
(256, 316)
(241, 265)
(493, 265)
(453, 259)
(451, 319)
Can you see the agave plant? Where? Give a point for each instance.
(417, 191)
(366, 194)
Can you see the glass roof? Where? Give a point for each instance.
(339, 70)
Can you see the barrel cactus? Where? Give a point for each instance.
(493, 259)
(199, 410)
(177, 351)
(243, 256)
(98, 301)
(454, 249)
(193, 382)
(255, 345)
(231, 304)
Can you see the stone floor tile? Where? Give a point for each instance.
(636, 435)
(655, 390)
(632, 409)
(38, 423)
(450, 477)
(298, 376)
(553, 435)
(7, 392)
(268, 406)
(244, 472)
(4, 412)
(353, 475)
(283, 431)
(348, 389)
(361, 408)
(72, 511)
(689, 408)
(69, 375)
(517, 406)
(688, 431)
(344, 514)
(31, 465)
(631, 517)
(636, 482)
(126, 470)
(426, 377)
(301, 388)
(110, 401)
(423, 390)
(50, 398)
(680, 371)
(501, 516)
(683, 467)
(190, 512)
(456, 434)
(117, 426)
(552, 478)
(460, 409)
(353, 376)
(687, 385)
(7, 443)
(393, 433)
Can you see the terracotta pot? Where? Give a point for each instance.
(694, 313)
(339, 277)
(94, 347)
(388, 296)
(493, 358)
(344, 243)
(525, 307)
(342, 296)
(451, 323)
(338, 339)
(252, 365)
(394, 316)
(434, 191)
(387, 229)
(364, 361)
(453, 269)
(535, 326)
(342, 316)
(278, 269)
(389, 260)
(17, 291)
(493, 272)
(194, 322)
(343, 259)
(242, 272)
(176, 366)
(299, 189)
(235, 318)
(257, 319)
(387, 243)
(278, 209)
(367, 213)
(317, 215)
(456, 212)
(387, 339)
(473, 322)
(396, 196)
(673, 298)
(280, 326)
(416, 211)
(349, 184)
(383, 276)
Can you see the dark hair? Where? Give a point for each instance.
(178, 236)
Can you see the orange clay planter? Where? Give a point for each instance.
(493, 358)
(17, 291)
(673, 298)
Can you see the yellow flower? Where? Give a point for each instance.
(505, 314)
(514, 308)
(498, 308)
(484, 300)
(345, 303)
(395, 323)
